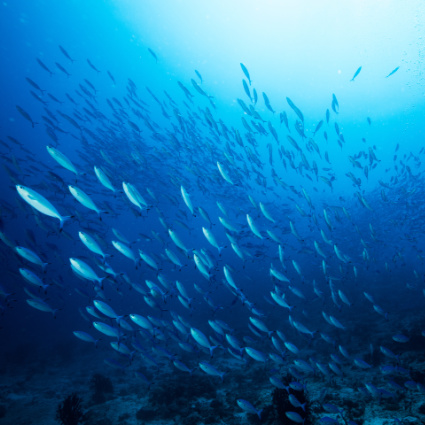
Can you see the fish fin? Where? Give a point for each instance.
(63, 219)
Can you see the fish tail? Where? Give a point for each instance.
(63, 219)
(259, 413)
(212, 348)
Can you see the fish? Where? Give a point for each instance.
(41, 306)
(26, 115)
(65, 53)
(124, 250)
(295, 109)
(393, 72)
(187, 200)
(211, 370)
(62, 69)
(104, 179)
(224, 173)
(92, 66)
(153, 54)
(84, 199)
(356, 73)
(84, 336)
(203, 341)
(62, 159)
(253, 227)
(83, 270)
(294, 417)
(41, 204)
(248, 407)
(246, 89)
(134, 196)
(199, 75)
(245, 71)
(43, 65)
(31, 256)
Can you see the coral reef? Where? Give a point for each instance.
(70, 412)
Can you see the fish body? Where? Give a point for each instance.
(83, 198)
(84, 336)
(223, 173)
(134, 196)
(108, 330)
(248, 407)
(245, 71)
(266, 213)
(202, 340)
(253, 227)
(61, 159)
(148, 260)
(30, 256)
(83, 270)
(105, 309)
(41, 305)
(211, 370)
(393, 72)
(356, 73)
(40, 203)
(211, 239)
(32, 278)
(103, 178)
(91, 244)
(186, 199)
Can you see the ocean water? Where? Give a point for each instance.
(212, 213)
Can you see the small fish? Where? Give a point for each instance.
(199, 75)
(61, 68)
(294, 417)
(65, 53)
(393, 72)
(248, 407)
(44, 66)
(111, 76)
(92, 66)
(356, 73)
(153, 54)
(245, 71)
(26, 115)
(295, 109)
(211, 370)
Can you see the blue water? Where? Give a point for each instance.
(345, 204)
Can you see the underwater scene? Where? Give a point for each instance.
(212, 212)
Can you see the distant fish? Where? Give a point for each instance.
(26, 115)
(92, 66)
(248, 407)
(44, 66)
(61, 68)
(153, 54)
(393, 72)
(199, 75)
(34, 84)
(335, 104)
(356, 73)
(245, 71)
(295, 109)
(111, 76)
(65, 53)
(246, 89)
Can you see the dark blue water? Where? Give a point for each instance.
(341, 191)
